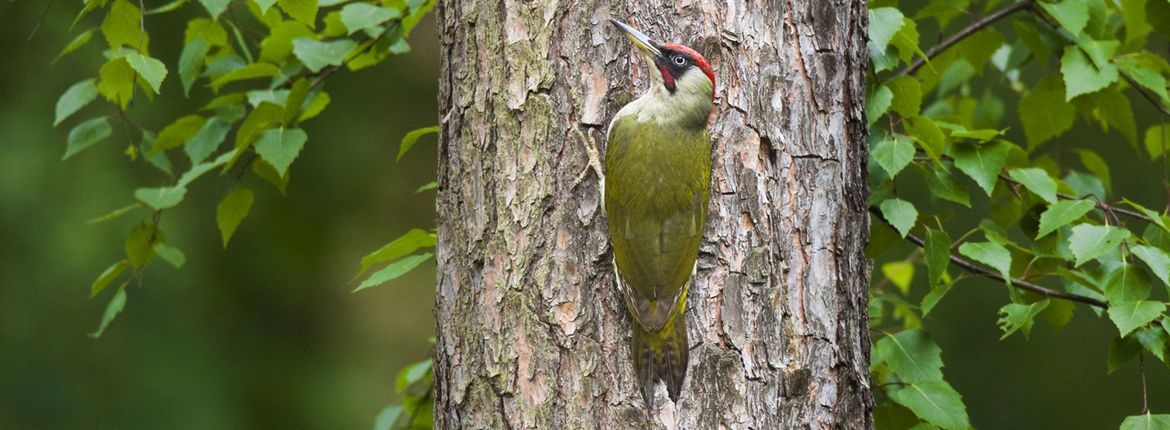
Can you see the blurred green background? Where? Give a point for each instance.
(266, 333)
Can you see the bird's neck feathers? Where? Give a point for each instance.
(687, 106)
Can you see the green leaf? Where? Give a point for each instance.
(76, 97)
(1126, 283)
(1111, 110)
(191, 62)
(316, 104)
(251, 71)
(1146, 422)
(1137, 28)
(1095, 165)
(878, 103)
(938, 254)
(1155, 216)
(215, 7)
(264, 4)
(170, 254)
(912, 355)
(363, 16)
(991, 254)
(1058, 313)
(936, 402)
(1037, 181)
(117, 303)
(86, 134)
(316, 55)
(169, 7)
(1071, 14)
(411, 138)
(1157, 140)
(151, 70)
(231, 212)
(117, 81)
(77, 42)
(405, 244)
(209, 30)
(1150, 79)
(884, 22)
(1128, 316)
(296, 100)
(893, 155)
(262, 118)
(177, 133)
(907, 96)
(900, 273)
(207, 140)
(139, 244)
(279, 147)
(200, 169)
(268, 173)
(1091, 241)
(1156, 259)
(928, 135)
(411, 374)
(427, 187)
(981, 162)
(108, 276)
(1082, 76)
(122, 25)
(1121, 352)
(304, 11)
(393, 271)
(1044, 112)
(979, 135)
(115, 214)
(387, 417)
(901, 214)
(162, 197)
(1016, 316)
(906, 41)
(1153, 339)
(279, 43)
(1061, 213)
(943, 185)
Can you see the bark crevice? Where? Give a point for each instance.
(532, 332)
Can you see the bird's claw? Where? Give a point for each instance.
(594, 158)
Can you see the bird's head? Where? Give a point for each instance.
(677, 70)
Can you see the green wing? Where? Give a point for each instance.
(656, 189)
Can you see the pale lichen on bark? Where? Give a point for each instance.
(532, 332)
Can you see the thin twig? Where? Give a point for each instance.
(1145, 95)
(1023, 285)
(1142, 369)
(44, 15)
(1110, 210)
(964, 33)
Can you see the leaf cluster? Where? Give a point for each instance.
(1048, 224)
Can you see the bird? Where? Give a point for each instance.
(655, 194)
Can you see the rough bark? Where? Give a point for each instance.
(532, 332)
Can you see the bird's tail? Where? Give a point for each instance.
(661, 355)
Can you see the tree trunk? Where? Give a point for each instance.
(532, 332)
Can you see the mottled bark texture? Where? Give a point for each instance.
(532, 332)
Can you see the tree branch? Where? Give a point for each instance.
(966, 32)
(1100, 205)
(1021, 284)
(1145, 95)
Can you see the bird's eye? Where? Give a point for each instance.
(679, 60)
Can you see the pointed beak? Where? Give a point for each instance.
(640, 40)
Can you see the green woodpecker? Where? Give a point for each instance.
(657, 175)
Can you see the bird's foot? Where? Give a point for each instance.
(594, 159)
